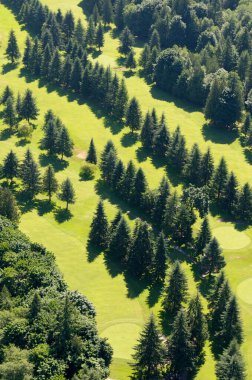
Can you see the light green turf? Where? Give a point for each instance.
(116, 310)
(230, 238)
(244, 291)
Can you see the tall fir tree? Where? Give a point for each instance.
(230, 364)
(30, 174)
(149, 353)
(67, 193)
(220, 179)
(98, 235)
(10, 113)
(64, 143)
(12, 51)
(230, 324)
(212, 260)
(147, 132)
(127, 41)
(134, 115)
(29, 110)
(99, 38)
(91, 154)
(203, 237)
(107, 12)
(49, 184)
(10, 166)
(160, 260)
(207, 168)
(119, 243)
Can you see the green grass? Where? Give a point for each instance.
(121, 308)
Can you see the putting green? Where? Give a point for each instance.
(230, 238)
(123, 337)
(244, 290)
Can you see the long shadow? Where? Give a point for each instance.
(248, 155)
(25, 202)
(44, 207)
(93, 252)
(9, 67)
(22, 142)
(135, 286)
(129, 139)
(218, 135)
(62, 215)
(6, 134)
(155, 292)
(115, 126)
(142, 154)
(55, 161)
(159, 94)
(113, 267)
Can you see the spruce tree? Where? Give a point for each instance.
(197, 328)
(180, 350)
(64, 143)
(161, 141)
(212, 260)
(160, 201)
(149, 353)
(27, 52)
(8, 205)
(175, 292)
(98, 235)
(193, 166)
(67, 193)
(127, 185)
(99, 38)
(155, 40)
(76, 76)
(35, 307)
(50, 184)
(139, 188)
(12, 51)
(127, 41)
(29, 109)
(141, 253)
(7, 93)
(203, 237)
(230, 196)
(115, 222)
(220, 179)
(66, 72)
(121, 103)
(118, 176)
(170, 214)
(134, 115)
(230, 324)
(119, 243)
(207, 168)
(159, 266)
(118, 18)
(244, 205)
(96, 15)
(130, 60)
(107, 12)
(50, 139)
(215, 291)
(91, 154)
(230, 364)
(10, 113)
(246, 125)
(147, 132)
(90, 36)
(5, 299)
(55, 68)
(145, 56)
(10, 166)
(218, 307)
(30, 174)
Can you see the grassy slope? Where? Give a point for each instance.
(119, 316)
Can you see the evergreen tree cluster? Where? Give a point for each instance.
(18, 108)
(56, 136)
(50, 332)
(33, 183)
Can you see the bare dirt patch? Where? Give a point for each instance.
(81, 154)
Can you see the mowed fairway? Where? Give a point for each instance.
(121, 310)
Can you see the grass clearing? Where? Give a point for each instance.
(121, 308)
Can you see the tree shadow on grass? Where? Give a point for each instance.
(166, 322)
(62, 215)
(93, 252)
(219, 135)
(25, 202)
(134, 286)
(155, 292)
(113, 267)
(56, 162)
(115, 126)
(22, 142)
(9, 67)
(6, 134)
(24, 73)
(129, 73)
(45, 206)
(129, 139)
(142, 154)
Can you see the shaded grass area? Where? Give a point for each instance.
(115, 299)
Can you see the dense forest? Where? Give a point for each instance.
(197, 51)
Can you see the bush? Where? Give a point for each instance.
(87, 172)
(25, 131)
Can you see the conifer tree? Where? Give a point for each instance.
(197, 328)
(10, 166)
(29, 110)
(170, 214)
(212, 260)
(115, 222)
(160, 201)
(230, 364)
(50, 184)
(8, 205)
(120, 241)
(215, 291)
(7, 93)
(107, 12)
(91, 154)
(66, 72)
(220, 179)
(76, 75)
(160, 259)
(175, 292)
(244, 206)
(9, 113)
(193, 166)
(180, 350)
(19, 106)
(127, 185)
(149, 353)
(98, 235)
(203, 237)
(121, 103)
(118, 176)
(134, 115)
(27, 51)
(141, 253)
(12, 50)
(145, 56)
(246, 125)
(147, 132)
(79, 32)
(218, 307)
(5, 299)
(231, 193)
(99, 38)
(50, 139)
(127, 41)
(35, 307)
(207, 167)
(230, 324)
(96, 15)
(67, 193)
(55, 67)
(30, 175)
(139, 187)
(130, 60)
(90, 37)
(64, 143)
(155, 40)
(118, 18)
(161, 141)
